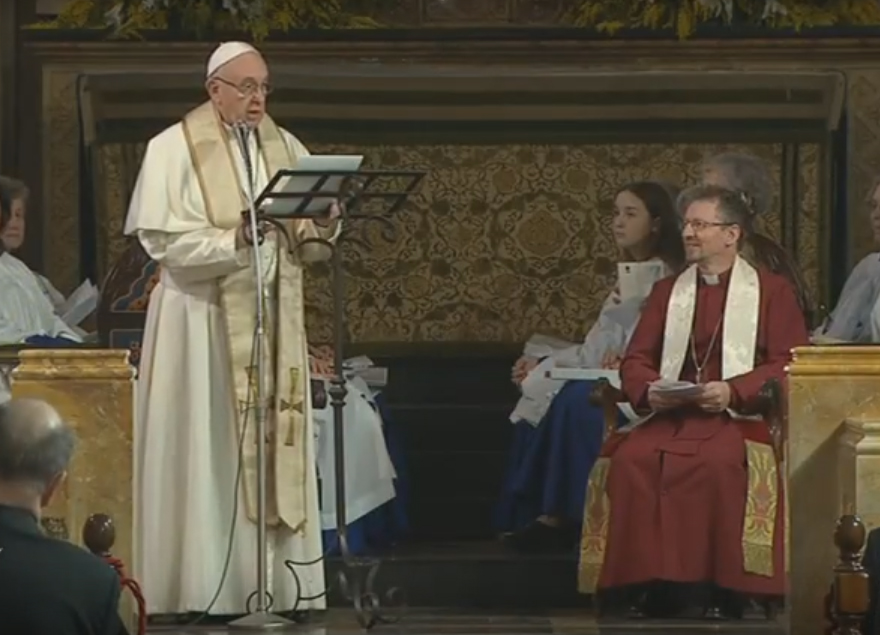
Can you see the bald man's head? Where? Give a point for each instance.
(35, 445)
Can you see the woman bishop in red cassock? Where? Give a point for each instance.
(692, 494)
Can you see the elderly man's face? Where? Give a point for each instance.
(13, 231)
(239, 88)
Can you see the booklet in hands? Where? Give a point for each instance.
(675, 388)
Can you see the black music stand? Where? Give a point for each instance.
(358, 576)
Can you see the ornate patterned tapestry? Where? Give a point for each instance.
(500, 241)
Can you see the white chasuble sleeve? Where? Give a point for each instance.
(169, 216)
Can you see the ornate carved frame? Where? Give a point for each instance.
(62, 63)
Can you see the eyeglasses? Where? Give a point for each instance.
(248, 88)
(701, 225)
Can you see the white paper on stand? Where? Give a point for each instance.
(80, 304)
(305, 183)
(635, 279)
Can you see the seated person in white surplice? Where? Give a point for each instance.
(13, 233)
(26, 315)
(851, 320)
(558, 433)
(369, 473)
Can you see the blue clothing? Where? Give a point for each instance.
(387, 524)
(549, 464)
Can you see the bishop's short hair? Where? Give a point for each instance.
(733, 206)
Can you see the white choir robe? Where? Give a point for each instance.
(851, 320)
(55, 297)
(608, 335)
(369, 473)
(188, 488)
(25, 311)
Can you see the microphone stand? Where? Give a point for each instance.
(260, 619)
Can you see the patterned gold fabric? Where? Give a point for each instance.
(499, 241)
(762, 501)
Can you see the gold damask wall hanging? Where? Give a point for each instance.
(501, 241)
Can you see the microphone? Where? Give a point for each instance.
(242, 130)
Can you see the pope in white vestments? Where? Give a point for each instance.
(194, 446)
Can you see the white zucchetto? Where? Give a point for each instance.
(225, 53)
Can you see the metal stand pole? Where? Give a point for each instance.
(261, 619)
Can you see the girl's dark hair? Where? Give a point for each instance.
(659, 199)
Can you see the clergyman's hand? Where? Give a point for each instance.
(522, 367)
(715, 397)
(660, 402)
(333, 212)
(244, 236)
(611, 361)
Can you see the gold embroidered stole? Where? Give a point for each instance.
(222, 191)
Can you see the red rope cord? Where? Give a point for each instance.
(134, 588)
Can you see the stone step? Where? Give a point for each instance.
(473, 575)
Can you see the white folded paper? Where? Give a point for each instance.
(363, 367)
(80, 304)
(627, 313)
(307, 182)
(675, 388)
(635, 279)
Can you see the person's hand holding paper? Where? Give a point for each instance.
(665, 394)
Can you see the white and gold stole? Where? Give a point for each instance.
(739, 336)
(223, 194)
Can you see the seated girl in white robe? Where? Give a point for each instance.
(853, 318)
(369, 472)
(26, 315)
(557, 433)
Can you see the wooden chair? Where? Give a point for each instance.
(99, 535)
(771, 406)
(848, 602)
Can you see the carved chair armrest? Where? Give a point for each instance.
(772, 407)
(607, 397)
(99, 535)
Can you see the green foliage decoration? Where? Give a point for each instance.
(131, 18)
(684, 16)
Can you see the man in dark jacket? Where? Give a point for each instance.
(47, 586)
